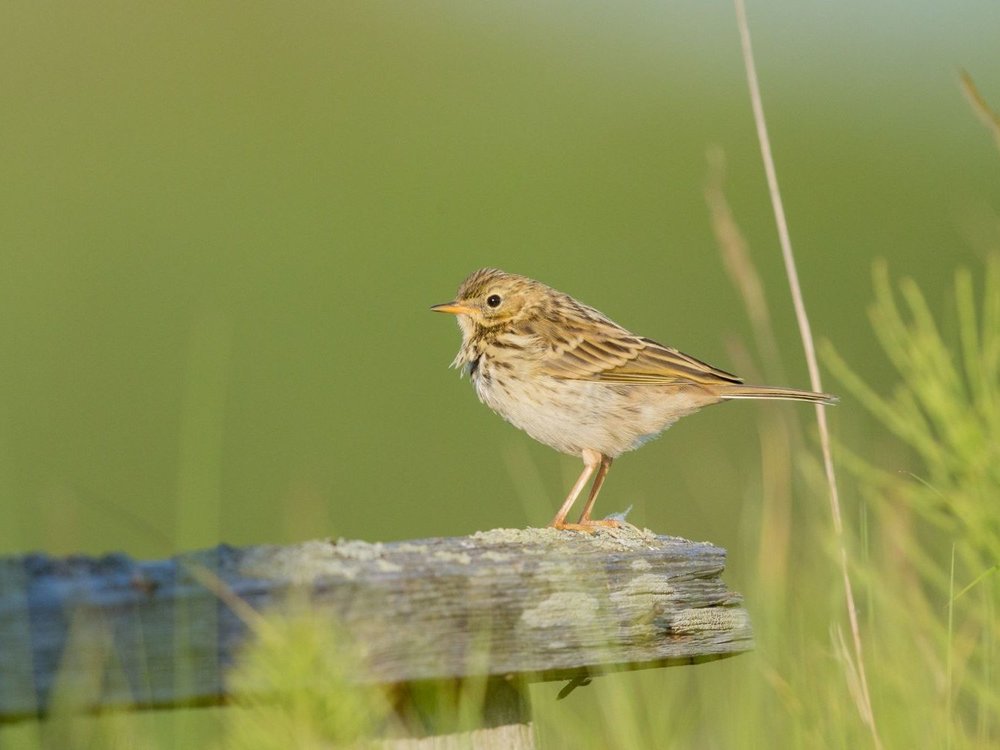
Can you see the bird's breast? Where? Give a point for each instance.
(472, 367)
(570, 415)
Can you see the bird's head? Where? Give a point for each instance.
(490, 298)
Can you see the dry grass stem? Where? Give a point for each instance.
(978, 103)
(864, 697)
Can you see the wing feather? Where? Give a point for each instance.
(600, 350)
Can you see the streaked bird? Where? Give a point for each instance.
(578, 382)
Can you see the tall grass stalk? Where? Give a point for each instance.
(865, 705)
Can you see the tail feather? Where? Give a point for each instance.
(738, 390)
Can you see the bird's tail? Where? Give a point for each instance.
(738, 390)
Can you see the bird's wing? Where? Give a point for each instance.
(604, 351)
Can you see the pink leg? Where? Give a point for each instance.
(585, 519)
(591, 459)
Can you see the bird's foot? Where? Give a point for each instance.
(588, 525)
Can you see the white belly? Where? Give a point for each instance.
(570, 415)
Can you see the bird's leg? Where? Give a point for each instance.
(591, 459)
(585, 519)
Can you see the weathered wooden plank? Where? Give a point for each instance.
(534, 603)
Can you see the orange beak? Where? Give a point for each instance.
(455, 308)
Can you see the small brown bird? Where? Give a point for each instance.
(578, 382)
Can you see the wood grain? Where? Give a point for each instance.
(531, 604)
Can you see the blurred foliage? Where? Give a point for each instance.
(934, 567)
(298, 679)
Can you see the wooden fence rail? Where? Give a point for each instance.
(505, 606)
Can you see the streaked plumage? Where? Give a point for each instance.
(577, 381)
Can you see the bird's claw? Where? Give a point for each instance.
(588, 525)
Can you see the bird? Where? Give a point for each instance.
(576, 381)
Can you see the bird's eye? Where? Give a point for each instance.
(493, 300)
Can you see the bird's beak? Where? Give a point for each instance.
(455, 308)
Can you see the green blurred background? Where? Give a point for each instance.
(222, 225)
